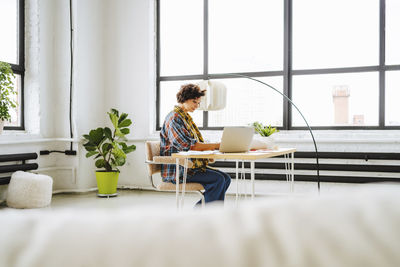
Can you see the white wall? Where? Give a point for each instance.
(114, 66)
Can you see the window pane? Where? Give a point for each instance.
(392, 113)
(245, 36)
(168, 91)
(181, 37)
(392, 32)
(335, 33)
(16, 113)
(9, 31)
(249, 101)
(337, 99)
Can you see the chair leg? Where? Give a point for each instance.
(152, 183)
(203, 201)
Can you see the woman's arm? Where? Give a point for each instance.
(205, 146)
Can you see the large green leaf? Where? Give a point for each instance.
(86, 136)
(119, 133)
(114, 119)
(100, 163)
(125, 131)
(108, 133)
(129, 149)
(119, 161)
(96, 136)
(118, 152)
(106, 148)
(123, 117)
(114, 111)
(91, 153)
(125, 123)
(90, 147)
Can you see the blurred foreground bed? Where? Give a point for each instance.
(361, 229)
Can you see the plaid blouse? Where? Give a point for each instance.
(174, 137)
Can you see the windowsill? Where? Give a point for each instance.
(11, 137)
(325, 136)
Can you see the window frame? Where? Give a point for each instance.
(288, 72)
(19, 69)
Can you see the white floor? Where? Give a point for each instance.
(148, 198)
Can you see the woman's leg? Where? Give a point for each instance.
(213, 183)
(227, 179)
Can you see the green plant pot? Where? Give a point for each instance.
(107, 183)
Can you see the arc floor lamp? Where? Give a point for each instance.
(289, 100)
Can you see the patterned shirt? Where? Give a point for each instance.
(175, 137)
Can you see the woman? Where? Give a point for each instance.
(180, 133)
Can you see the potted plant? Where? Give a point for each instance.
(109, 149)
(7, 93)
(266, 141)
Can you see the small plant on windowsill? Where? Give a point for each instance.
(109, 149)
(266, 141)
(264, 130)
(7, 93)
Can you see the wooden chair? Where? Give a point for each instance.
(154, 161)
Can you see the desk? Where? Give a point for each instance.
(251, 156)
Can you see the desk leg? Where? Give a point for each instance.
(237, 181)
(244, 187)
(184, 182)
(177, 183)
(252, 178)
(292, 172)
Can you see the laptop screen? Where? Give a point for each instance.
(236, 139)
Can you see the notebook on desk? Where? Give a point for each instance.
(236, 139)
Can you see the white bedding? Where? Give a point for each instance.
(361, 230)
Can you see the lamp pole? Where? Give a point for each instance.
(290, 101)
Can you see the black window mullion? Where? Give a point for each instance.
(382, 54)
(158, 61)
(205, 53)
(19, 68)
(287, 64)
(21, 34)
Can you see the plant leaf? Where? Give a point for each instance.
(114, 111)
(106, 148)
(119, 161)
(117, 152)
(129, 149)
(125, 123)
(100, 163)
(91, 153)
(125, 131)
(108, 133)
(114, 119)
(123, 117)
(96, 136)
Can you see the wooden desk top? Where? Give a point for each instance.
(251, 155)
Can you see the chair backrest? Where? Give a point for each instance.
(152, 150)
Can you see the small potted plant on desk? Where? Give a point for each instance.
(7, 93)
(265, 133)
(109, 149)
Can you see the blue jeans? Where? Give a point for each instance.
(215, 183)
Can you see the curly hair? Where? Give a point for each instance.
(189, 91)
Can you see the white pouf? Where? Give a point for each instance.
(28, 190)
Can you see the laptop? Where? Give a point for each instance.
(236, 139)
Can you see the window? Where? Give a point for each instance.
(338, 60)
(12, 52)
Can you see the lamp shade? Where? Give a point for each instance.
(215, 97)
